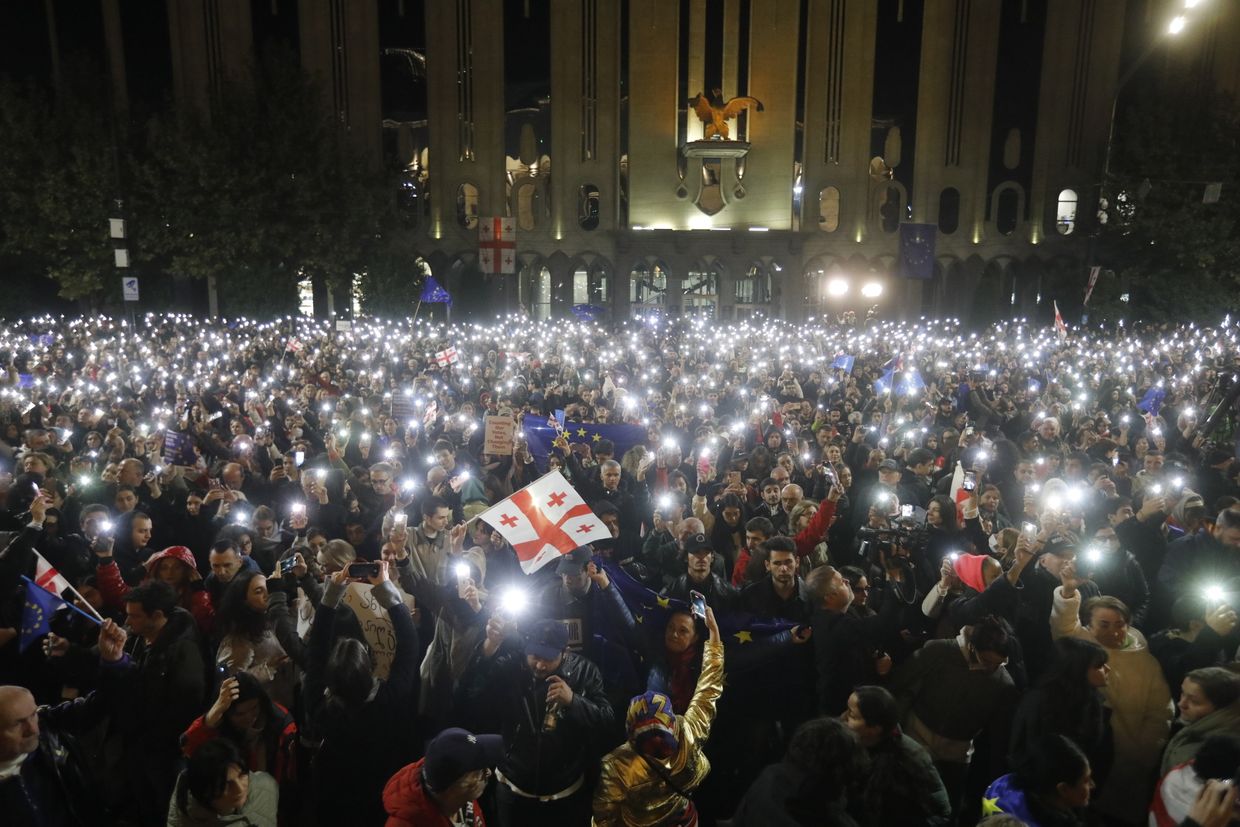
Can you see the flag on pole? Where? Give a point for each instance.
(544, 521)
(958, 493)
(1061, 329)
(446, 357)
(46, 577)
(844, 362)
(37, 614)
(433, 293)
(497, 245)
(1093, 279)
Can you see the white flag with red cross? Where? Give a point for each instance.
(446, 357)
(46, 576)
(497, 245)
(544, 521)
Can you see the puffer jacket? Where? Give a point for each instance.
(409, 805)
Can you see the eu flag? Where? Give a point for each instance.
(37, 614)
(917, 250)
(844, 362)
(541, 435)
(433, 292)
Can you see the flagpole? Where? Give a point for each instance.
(76, 593)
(93, 617)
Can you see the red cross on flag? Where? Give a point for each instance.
(48, 578)
(497, 245)
(446, 357)
(544, 521)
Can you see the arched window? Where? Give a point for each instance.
(647, 287)
(467, 206)
(1007, 211)
(701, 291)
(1065, 212)
(829, 209)
(755, 287)
(949, 210)
(587, 207)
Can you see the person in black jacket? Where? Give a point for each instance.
(1116, 572)
(719, 593)
(45, 778)
(1069, 702)
(366, 724)
(552, 710)
(846, 647)
(162, 689)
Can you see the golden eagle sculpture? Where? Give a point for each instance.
(714, 112)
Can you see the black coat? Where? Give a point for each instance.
(539, 760)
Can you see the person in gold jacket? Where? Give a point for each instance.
(646, 782)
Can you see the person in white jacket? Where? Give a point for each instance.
(1136, 693)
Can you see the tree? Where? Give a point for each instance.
(58, 183)
(1179, 256)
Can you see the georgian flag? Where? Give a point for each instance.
(446, 357)
(958, 493)
(544, 521)
(294, 345)
(46, 577)
(1061, 329)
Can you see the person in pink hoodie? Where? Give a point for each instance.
(442, 788)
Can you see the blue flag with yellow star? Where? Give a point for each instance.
(37, 614)
(542, 435)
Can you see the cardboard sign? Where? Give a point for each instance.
(376, 625)
(498, 436)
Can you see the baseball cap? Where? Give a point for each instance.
(547, 639)
(889, 465)
(574, 561)
(456, 751)
(697, 542)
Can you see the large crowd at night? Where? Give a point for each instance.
(655, 573)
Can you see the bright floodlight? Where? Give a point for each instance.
(1177, 24)
(872, 290)
(837, 287)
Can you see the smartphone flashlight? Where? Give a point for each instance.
(299, 508)
(513, 601)
(461, 570)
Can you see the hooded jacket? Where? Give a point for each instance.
(409, 805)
(195, 598)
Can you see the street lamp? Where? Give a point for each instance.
(837, 287)
(1174, 27)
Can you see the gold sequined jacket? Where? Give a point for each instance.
(630, 793)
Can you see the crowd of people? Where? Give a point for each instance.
(885, 575)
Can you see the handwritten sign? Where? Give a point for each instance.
(376, 625)
(499, 434)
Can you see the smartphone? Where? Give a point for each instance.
(970, 481)
(299, 508)
(1031, 530)
(363, 571)
(829, 473)
(400, 522)
(968, 431)
(287, 565)
(906, 511)
(697, 604)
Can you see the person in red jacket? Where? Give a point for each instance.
(442, 789)
(175, 566)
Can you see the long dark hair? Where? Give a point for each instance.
(897, 782)
(235, 615)
(1070, 706)
(832, 760)
(947, 512)
(248, 688)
